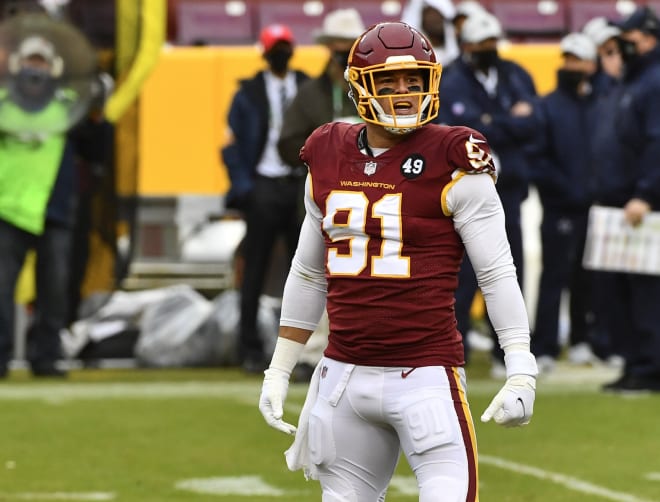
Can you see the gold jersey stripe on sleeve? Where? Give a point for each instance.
(445, 190)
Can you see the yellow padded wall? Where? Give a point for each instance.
(183, 110)
(185, 101)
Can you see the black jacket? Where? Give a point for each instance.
(248, 120)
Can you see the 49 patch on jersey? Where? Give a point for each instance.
(413, 166)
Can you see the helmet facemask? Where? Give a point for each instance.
(369, 103)
(394, 47)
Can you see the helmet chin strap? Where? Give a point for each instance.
(411, 121)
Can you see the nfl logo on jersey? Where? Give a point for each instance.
(369, 168)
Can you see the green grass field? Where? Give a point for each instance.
(197, 435)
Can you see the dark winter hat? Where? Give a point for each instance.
(644, 19)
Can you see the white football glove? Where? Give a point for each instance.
(514, 403)
(271, 401)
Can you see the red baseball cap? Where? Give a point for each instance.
(274, 33)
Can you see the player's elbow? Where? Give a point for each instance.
(488, 276)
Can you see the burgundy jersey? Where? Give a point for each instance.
(392, 254)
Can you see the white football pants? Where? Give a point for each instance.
(364, 416)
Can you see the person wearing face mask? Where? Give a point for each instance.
(264, 188)
(628, 161)
(493, 96)
(435, 18)
(33, 162)
(464, 10)
(38, 102)
(561, 174)
(610, 64)
(318, 101)
(34, 98)
(35, 82)
(324, 98)
(606, 159)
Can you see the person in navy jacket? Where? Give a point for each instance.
(562, 175)
(264, 188)
(633, 184)
(494, 96)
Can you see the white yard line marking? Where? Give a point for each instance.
(130, 390)
(91, 496)
(569, 482)
(234, 485)
(247, 391)
(652, 476)
(239, 485)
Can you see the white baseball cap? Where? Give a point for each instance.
(580, 45)
(340, 24)
(600, 30)
(37, 46)
(480, 26)
(444, 7)
(468, 8)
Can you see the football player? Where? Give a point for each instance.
(392, 204)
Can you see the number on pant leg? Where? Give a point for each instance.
(428, 424)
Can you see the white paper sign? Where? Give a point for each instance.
(614, 245)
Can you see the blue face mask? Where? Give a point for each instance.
(33, 88)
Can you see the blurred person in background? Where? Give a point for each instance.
(606, 158)
(92, 139)
(435, 18)
(610, 65)
(464, 10)
(477, 336)
(263, 187)
(631, 181)
(318, 101)
(495, 97)
(325, 98)
(561, 173)
(37, 203)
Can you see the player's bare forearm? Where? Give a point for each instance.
(299, 335)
